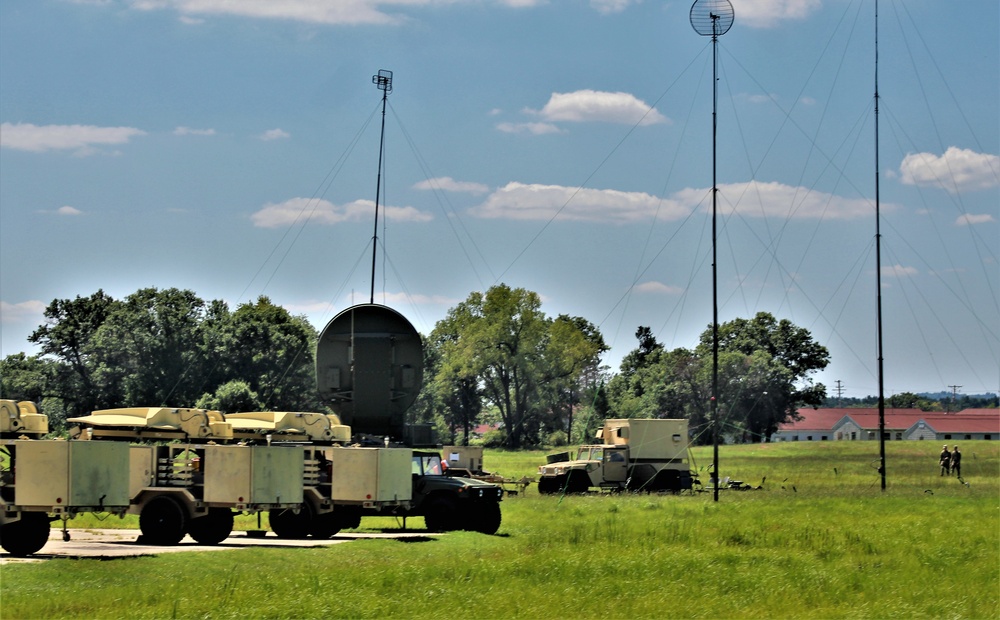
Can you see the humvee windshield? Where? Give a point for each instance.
(426, 465)
(590, 453)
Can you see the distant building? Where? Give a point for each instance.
(900, 424)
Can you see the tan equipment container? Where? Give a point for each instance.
(42, 480)
(370, 475)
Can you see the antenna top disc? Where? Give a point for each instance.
(711, 18)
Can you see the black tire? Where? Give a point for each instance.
(325, 526)
(163, 521)
(441, 516)
(667, 480)
(213, 528)
(287, 524)
(486, 518)
(550, 485)
(578, 482)
(26, 535)
(350, 517)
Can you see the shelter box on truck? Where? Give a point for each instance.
(658, 439)
(71, 474)
(463, 457)
(370, 474)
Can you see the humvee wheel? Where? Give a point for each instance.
(577, 482)
(163, 521)
(213, 528)
(551, 484)
(486, 518)
(27, 535)
(440, 515)
(287, 524)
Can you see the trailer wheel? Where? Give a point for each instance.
(486, 518)
(350, 518)
(287, 524)
(440, 515)
(26, 535)
(325, 526)
(163, 521)
(213, 528)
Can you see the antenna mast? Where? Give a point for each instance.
(878, 280)
(383, 81)
(714, 18)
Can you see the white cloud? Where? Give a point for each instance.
(68, 210)
(309, 11)
(274, 134)
(898, 271)
(777, 200)
(606, 7)
(518, 201)
(658, 287)
(770, 13)
(23, 312)
(419, 298)
(81, 138)
(325, 212)
(449, 184)
(328, 12)
(599, 106)
(188, 131)
(532, 128)
(970, 219)
(955, 171)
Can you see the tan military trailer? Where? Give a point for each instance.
(634, 455)
(44, 480)
(289, 464)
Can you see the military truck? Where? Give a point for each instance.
(634, 455)
(369, 370)
(45, 480)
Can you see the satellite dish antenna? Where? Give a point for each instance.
(713, 18)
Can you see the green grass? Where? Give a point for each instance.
(834, 547)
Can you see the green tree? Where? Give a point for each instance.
(168, 347)
(149, 347)
(768, 376)
(502, 345)
(273, 352)
(68, 338)
(765, 369)
(230, 397)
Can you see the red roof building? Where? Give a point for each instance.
(900, 424)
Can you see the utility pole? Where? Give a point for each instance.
(840, 392)
(954, 390)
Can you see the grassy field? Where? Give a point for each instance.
(820, 540)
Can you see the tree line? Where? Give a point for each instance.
(495, 358)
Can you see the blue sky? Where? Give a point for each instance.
(231, 148)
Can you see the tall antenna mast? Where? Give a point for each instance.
(383, 81)
(714, 18)
(878, 280)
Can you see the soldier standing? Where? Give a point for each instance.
(956, 461)
(945, 461)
